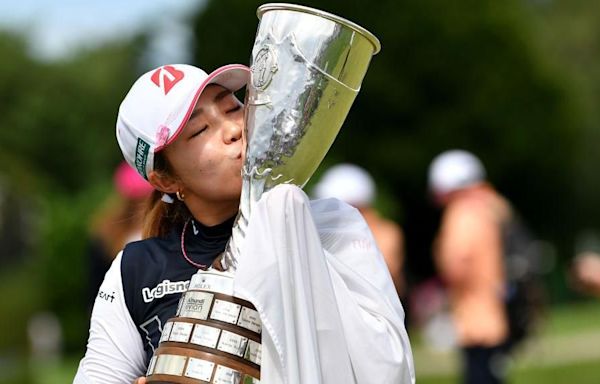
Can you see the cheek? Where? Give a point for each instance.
(205, 158)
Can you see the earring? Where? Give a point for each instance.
(180, 195)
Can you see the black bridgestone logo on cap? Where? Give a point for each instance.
(141, 156)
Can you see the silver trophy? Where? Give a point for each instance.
(307, 67)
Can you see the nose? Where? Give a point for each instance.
(232, 131)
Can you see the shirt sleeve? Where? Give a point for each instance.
(115, 353)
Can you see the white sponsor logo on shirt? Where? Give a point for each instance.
(166, 287)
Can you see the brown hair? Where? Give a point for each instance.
(161, 217)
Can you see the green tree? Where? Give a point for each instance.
(57, 154)
(570, 38)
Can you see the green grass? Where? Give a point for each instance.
(575, 317)
(580, 373)
(566, 349)
(553, 361)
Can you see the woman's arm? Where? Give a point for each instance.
(115, 353)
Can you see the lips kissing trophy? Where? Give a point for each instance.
(307, 68)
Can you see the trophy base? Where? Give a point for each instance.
(213, 339)
(182, 365)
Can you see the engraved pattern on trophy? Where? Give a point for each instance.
(307, 67)
(264, 68)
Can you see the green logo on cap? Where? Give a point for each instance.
(141, 156)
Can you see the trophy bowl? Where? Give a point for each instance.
(307, 68)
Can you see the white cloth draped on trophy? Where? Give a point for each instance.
(324, 294)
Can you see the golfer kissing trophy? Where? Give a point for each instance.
(307, 67)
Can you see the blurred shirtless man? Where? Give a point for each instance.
(468, 253)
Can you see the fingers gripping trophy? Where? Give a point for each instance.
(307, 67)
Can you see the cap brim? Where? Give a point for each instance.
(233, 77)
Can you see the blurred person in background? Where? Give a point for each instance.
(355, 186)
(478, 231)
(585, 273)
(118, 222)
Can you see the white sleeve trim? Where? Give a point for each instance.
(115, 352)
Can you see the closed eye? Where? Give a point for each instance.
(234, 109)
(199, 131)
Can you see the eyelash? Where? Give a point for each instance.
(200, 131)
(235, 109)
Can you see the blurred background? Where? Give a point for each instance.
(517, 82)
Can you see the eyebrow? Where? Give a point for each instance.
(219, 96)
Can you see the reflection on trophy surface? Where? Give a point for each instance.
(307, 67)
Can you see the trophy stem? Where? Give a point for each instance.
(253, 186)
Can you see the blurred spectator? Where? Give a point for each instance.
(478, 230)
(118, 222)
(45, 338)
(430, 312)
(353, 185)
(586, 272)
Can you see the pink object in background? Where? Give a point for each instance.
(130, 184)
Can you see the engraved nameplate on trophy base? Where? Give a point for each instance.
(214, 338)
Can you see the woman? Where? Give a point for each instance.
(182, 130)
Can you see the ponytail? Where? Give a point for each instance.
(161, 217)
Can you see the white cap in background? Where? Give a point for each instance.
(347, 182)
(453, 170)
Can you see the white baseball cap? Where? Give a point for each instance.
(453, 170)
(160, 103)
(347, 182)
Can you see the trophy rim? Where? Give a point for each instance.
(301, 8)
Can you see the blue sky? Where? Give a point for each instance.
(56, 28)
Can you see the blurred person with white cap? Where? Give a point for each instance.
(355, 186)
(468, 253)
(310, 268)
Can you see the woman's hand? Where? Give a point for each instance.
(140, 380)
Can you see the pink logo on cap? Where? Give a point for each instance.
(166, 77)
(162, 135)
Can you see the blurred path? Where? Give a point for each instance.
(541, 351)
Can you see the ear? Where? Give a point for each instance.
(164, 183)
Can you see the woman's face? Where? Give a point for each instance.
(207, 156)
